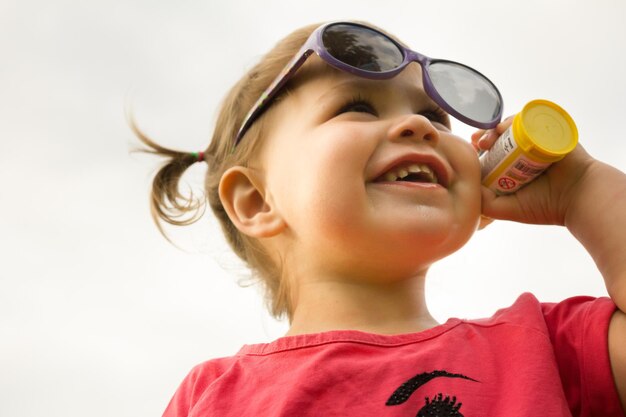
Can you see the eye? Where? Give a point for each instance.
(437, 115)
(358, 105)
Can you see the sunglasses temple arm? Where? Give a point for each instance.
(266, 97)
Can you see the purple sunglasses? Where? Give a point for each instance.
(460, 90)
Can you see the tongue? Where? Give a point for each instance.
(416, 177)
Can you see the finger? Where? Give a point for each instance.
(476, 135)
(505, 207)
(486, 141)
(484, 222)
(504, 124)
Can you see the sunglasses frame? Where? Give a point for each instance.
(315, 44)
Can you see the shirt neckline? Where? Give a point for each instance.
(287, 343)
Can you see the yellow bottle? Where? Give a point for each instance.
(542, 133)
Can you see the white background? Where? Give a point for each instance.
(99, 315)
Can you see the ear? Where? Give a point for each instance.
(244, 199)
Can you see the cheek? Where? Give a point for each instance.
(468, 166)
(305, 177)
(463, 158)
(464, 162)
(335, 180)
(325, 181)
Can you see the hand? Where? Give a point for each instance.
(483, 140)
(547, 199)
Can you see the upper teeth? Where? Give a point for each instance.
(403, 171)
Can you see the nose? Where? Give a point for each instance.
(413, 127)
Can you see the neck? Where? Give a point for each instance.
(383, 308)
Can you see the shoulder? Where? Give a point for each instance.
(527, 310)
(197, 381)
(576, 330)
(205, 373)
(573, 328)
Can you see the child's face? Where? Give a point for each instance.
(331, 144)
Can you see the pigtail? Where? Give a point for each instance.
(167, 203)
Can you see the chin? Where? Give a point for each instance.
(445, 241)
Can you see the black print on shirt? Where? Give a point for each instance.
(439, 405)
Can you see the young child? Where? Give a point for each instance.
(336, 178)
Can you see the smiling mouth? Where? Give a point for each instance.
(410, 172)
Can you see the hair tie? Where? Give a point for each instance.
(198, 156)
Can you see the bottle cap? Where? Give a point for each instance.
(548, 128)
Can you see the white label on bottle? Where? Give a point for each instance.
(491, 160)
(516, 173)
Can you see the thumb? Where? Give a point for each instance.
(501, 207)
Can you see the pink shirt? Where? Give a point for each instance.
(531, 359)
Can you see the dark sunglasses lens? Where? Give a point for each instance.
(362, 48)
(466, 91)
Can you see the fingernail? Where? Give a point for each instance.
(483, 138)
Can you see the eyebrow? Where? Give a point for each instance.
(416, 95)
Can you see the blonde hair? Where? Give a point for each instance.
(169, 205)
